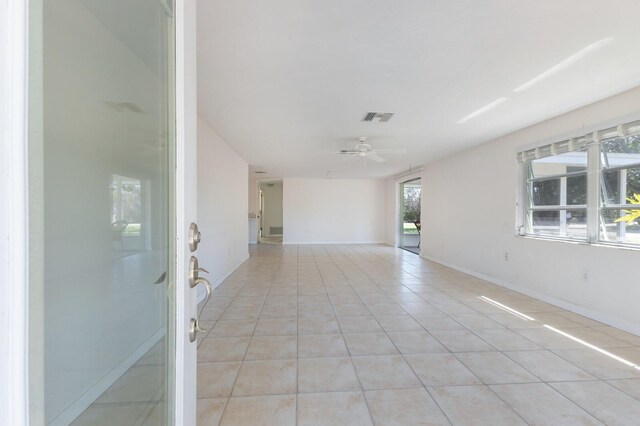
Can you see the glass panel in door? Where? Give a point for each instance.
(102, 305)
(410, 225)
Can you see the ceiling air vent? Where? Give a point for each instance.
(381, 117)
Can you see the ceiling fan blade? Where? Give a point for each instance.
(375, 157)
(392, 151)
(346, 157)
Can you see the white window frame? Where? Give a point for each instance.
(592, 136)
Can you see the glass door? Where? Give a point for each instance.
(102, 212)
(410, 226)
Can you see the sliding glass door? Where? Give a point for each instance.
(409, 220)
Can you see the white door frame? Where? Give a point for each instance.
(14, 189)
(13, 212)
(186, 206)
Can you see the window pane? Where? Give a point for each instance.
(625, 231)
(621, 151)
(577, 190)
(558, 223)
(545, 192)
(559, 164)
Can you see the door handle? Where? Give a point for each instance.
(194, 324)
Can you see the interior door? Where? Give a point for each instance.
(102, 212)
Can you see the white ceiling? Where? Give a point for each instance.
(287, 81)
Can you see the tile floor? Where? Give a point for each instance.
(369, 334)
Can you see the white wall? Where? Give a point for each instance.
(469, 222)
(272, 209)
(254, 197)
(334, 211)
(222, 205)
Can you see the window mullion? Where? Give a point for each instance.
(593, 192)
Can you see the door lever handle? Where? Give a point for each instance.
(193, 271)
(194, 324)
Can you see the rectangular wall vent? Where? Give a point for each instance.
(381, 117)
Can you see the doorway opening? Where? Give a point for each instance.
(409, 219)
(270, 231)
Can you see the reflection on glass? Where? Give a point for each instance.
(560, 223)
(108, 213)
(126, 212)
(620, 187)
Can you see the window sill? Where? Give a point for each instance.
(618, 246)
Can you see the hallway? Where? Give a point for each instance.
(362, 334)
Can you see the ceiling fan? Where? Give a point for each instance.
(366, 151)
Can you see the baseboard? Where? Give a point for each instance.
(602, 317)
(202, 293)
(302, 243)
(69, 414)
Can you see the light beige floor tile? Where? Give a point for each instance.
(619, 334)
(631, 354)
(439, 322)
(513, 322)
(384, 372)
(474, 405)
(396, 323)
(326, 375)
(209, 411)
(477, 322)
(272, 347)
(461, 341)
(506, 340)
(628, 386)
(215, 379)
(539, 404)
(248, 301)
(322, 345)
(273, 312)
(549, 339)
(387, 309)
(599, 365)
(420, 308)
(211, 314)
(276, 327)
(369, 344)
(495, 368)
(548, 366)
(351, 310)
(272, 410)
(441, 369)
(334, 408)
(351, 325)
(232, 328)
(223, 349)
(241, 312)
(416, 342)
(323, 310)
(318, 326)
(602, 400)
(400, 407)
(266, 378)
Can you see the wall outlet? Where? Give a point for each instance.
(506, 256)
